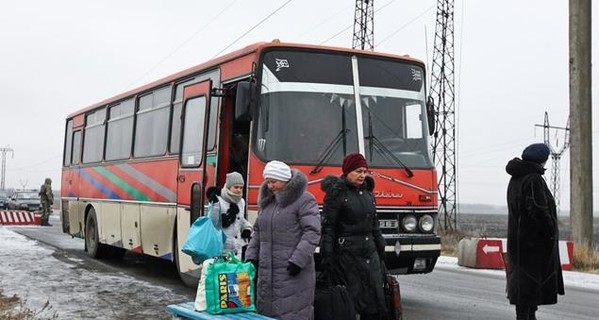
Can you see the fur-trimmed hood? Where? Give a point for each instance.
(336, 184)
(294, 189)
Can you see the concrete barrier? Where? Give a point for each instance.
(485, 253)
(20, 218)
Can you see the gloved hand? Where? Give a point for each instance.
(246, 234)
(212, 194)
(293, 269)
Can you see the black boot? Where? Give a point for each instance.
(45, 223)
(531, 314)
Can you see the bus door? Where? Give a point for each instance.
(191, 177)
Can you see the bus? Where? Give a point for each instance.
(136, 166)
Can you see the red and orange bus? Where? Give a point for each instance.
(136, 166)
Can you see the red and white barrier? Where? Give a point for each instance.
(19, 218)
(486, 253)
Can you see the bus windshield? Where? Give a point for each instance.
(308, 115)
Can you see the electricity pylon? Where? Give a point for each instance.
(556, 154)
(364, 25)
(4, 151)
(443, 95)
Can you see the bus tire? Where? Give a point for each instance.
(95, 249)
(188, 281)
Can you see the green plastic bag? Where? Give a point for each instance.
(226, 286)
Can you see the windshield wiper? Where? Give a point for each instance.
(328, 152)
(386, 153)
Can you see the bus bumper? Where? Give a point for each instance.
(413, 254)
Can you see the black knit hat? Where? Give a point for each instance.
(536, 152)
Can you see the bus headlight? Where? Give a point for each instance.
(426, 223)
(409, 223)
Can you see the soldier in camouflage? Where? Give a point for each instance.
(47, 199)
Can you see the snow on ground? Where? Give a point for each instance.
(75, 291)
(571, 278)
(39, 274)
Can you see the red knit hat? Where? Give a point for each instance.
(352, 162)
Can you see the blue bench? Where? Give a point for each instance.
(186, 310)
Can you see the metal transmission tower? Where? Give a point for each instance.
(556, 156)
(4, 151)
(443, 96)
(364, 25)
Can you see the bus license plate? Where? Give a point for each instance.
(388, 223)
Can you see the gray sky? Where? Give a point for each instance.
(59, 56)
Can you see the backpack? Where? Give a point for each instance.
(42, 190)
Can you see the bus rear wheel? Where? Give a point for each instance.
(94, 248)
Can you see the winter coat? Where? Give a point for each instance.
(535, 277)
(287, 229)
(234, 242)
(352, 237)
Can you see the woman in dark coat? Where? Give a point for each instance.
(535, 276)
(285, 236)
(352, 244)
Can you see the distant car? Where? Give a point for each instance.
(25, 200)
(3, 199)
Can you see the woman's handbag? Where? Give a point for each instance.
(204, 239)
(226, 286)
(332, 301)
(392, 294)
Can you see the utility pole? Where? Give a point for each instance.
(443, 94)
(4, 151)
(581, 154)
(364, 25)
(555, 156)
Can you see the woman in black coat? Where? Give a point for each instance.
(351, 243)
(535, 276)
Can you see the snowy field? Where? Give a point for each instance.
(38, 274)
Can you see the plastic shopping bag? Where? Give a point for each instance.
(204, 239)
(226, 286)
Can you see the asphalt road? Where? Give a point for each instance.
(446, 293)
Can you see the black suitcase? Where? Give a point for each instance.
(332, 301)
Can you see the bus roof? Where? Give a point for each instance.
(250, 49)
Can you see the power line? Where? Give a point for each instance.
(404, 26)
(252, 28)
(183, 43)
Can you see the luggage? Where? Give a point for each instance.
(204, 240)
(226, 286)
(332, 301)
(392, 295)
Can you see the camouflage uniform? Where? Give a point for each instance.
(47, 199)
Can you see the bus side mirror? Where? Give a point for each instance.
(244, 100)
(195, 202)
(430, 115)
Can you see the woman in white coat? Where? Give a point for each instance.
(229, 206)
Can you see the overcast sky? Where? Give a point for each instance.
(59, 56)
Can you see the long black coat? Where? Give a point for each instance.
(532, 243)
(351, 235)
